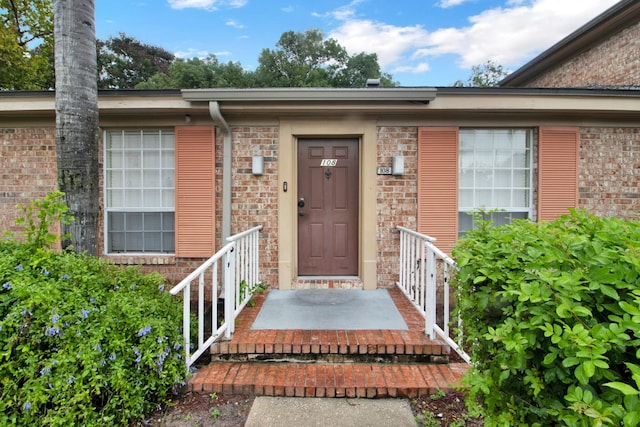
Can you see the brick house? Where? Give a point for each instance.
(185, 169)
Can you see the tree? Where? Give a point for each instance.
(77, 119)
(199, 73)
(485, 75)
(26, 44)
(123, 62)
(308, 60)
(359, 69)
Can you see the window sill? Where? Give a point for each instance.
(141, 259)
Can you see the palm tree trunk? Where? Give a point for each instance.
(77, 119)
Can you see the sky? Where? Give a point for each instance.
(419, 42)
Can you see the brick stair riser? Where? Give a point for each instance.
(330, 358)
(328, 380)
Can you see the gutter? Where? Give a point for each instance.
(220, 122)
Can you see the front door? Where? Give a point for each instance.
(328, 183)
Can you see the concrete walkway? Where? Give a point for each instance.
(314, 412)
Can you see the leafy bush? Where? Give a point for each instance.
(83, 342)
(551, 313)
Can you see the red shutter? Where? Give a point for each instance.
(438, 184)
(557, 171)
(195, 191)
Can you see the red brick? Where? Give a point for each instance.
(330, 380)
(290, 380)
(388, 338)
(315, 342)
(278, 342)
(324, 342)
(340, 380)
(229, 379)
(362, 386)
(352, 339)
(306, 342)
(343, 347)
(300, 380)
(296, 346)
(349, 380)
(269, 341)
(381, 387)
(260, 380)
(287, 342)
(310, 381)
(391, 380)
(280, 379)
(414, 376)
(445, 371)
(370, 379)
(321, 380)
(269, 380)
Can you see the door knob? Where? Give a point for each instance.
(301, 203)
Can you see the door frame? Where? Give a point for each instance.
(290, 131)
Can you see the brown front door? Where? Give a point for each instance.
(328, 182)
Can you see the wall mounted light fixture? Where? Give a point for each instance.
(257, 165)
(397, 166)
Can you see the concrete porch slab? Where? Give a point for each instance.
(329, 309)
(284, 411)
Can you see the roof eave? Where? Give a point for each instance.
(409, 94)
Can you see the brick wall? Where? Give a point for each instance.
(255, 198)
(28, 170)
(396, 197)
(608, 180)
(609, 171)
(615, 62)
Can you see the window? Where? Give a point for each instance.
(494, 174)
(139, 191)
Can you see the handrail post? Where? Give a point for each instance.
(186, 321)
(229, 290)
(431, 293)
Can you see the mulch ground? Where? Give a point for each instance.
(203, 410)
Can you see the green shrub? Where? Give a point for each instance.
(83, 342)
(551, 313)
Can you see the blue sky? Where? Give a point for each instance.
(420, 42)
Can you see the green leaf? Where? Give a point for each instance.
(631, 309)
(479, 279)
(550, 358)
(609, 291)
(570, 361)
(588, 368)
(631, 418)
(625, 389)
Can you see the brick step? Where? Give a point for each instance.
(332, 342)
(363, 380)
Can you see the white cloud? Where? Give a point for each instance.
(422, 67)
(389, 42)
(506, 35)
(450, 3)
(210, 5)
(342, 13)
(202, 54)
(511, 35)
(288, 9)
(233, 23)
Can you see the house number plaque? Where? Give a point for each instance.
(329, 162)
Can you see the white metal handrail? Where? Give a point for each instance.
(422, 266)
(234, 269)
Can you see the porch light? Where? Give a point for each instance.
(397, 167)
(257, 165)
